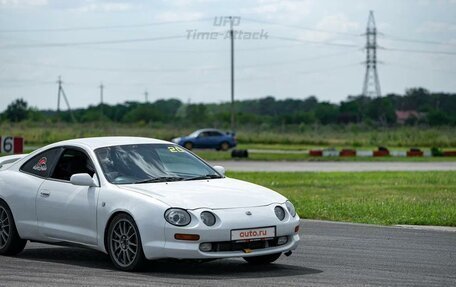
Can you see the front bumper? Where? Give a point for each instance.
(227, 220)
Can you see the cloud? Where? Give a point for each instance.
(186, 3)
(338, 23)
(103, 6)
(436, 27)
(284, 11)
(170, 16)
(23, 3)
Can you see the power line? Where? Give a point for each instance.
(163, 70)
(302, 27)
(429, 42)
(314, 42)
(390, 37)
(69, 44)
(421, 51)
(112, 27)
(419, 69)
(328, 69)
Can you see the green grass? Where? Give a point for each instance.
(419, 198)
(290, 137)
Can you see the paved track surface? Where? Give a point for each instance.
(334, 166)
(330, 254)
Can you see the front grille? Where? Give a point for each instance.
(242, 245)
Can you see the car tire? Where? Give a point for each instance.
(188, 145)
(224, 146)
(263, 259)
(124, 244)
(10, 241)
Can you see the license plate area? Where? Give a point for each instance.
(252, 234)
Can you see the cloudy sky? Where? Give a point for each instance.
(314, 47)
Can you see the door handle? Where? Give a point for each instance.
(45, 193)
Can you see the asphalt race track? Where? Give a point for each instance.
(330, 254)
(316, 166)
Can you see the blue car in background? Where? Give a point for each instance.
(207, 138)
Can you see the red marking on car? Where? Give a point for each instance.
(41, 164)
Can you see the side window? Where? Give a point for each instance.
(215, 134)
(42, 163)
(72, 161)
(203, 134)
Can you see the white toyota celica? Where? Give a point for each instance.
(137, 199)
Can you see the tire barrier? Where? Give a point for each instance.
(239, 153)
(380, 152)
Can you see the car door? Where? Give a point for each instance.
(65, 211)
(26, 184)
(215, 139)
(202, 140)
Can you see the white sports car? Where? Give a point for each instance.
(138, 199)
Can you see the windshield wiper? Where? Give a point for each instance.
(160, 179)
(207, 176)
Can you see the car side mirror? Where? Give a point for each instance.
(220, 169)
(83, 179)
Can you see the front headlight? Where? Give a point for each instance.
(177, 217)
(279, 212)
(208, 218)
(291, 208)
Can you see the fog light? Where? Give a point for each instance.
(297, 229)
(206, 247)
(282, 240)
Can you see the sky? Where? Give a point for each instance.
(290, 49)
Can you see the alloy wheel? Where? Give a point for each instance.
(124, 243)
(4, 227)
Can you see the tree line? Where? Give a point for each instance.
(429, 108)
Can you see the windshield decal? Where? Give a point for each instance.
(175, 149)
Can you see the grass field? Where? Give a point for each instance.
(421, 198)
(289, 138)
(292, 139)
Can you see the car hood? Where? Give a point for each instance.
(213, 194)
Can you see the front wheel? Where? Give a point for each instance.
(263, 259)
(188, 145)
(10, 241)
(124, 244)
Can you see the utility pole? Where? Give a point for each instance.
(61, 93)
(59, 81)
(371, 86)
(146, 96)
(233, 120)
(101, 101)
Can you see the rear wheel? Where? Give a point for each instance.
(224, 146)
(124, 244)
(10, 242)
(264, 259)
(188, 145)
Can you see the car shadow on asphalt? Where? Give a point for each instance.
(182, 269)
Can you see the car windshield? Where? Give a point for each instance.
(146, 163)
(194, 134)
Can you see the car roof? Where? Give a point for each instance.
(98, 142)
(208, 130)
